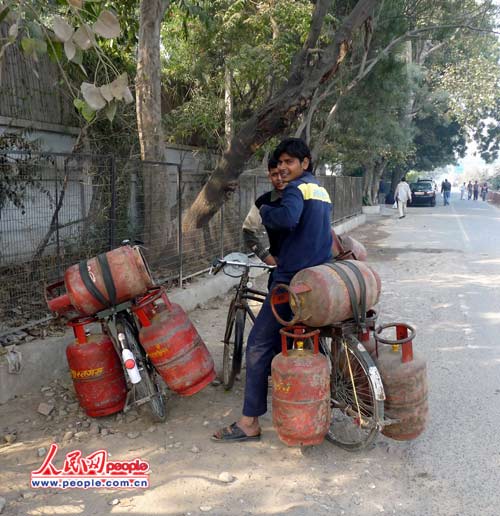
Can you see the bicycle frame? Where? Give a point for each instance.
(109, 323)
(245, 294)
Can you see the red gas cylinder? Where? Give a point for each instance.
(173, 344)
(319, 296)
(106, 280)
(337, 249)
(404, 375)
(345, 247)
(96, 370)
(301, 389)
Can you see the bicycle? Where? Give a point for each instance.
(237, 266)
(144, 385)
(120, 325)
(357, 392)
(356, 389)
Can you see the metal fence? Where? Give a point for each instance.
(57, 209)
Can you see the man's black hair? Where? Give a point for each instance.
(296, 148)
(272, 162)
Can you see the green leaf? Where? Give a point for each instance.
(3, 13)
(55, 51)
(40, 46)
(78, 57)
(35, 30)
(79, 104)
(85, 110)
(110, 111)
(88, 113)
(28, 45)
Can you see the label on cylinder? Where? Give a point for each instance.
(87, 373)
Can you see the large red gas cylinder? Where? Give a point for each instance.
(300, 389)
(345, 247)
(319, 296)
(173, 344)
(96, 370)
(105, 280)
(354, 247)
(404, 376)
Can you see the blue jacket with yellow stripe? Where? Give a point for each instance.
(304, 216)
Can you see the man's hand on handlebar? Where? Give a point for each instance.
(270, 260)
(216, 266)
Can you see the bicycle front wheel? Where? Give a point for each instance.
(148, 388)
(233, 346)
(356, 394)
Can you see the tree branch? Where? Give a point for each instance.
(282, 110)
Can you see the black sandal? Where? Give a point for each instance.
(233, 433)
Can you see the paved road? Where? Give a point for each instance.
(447, 274)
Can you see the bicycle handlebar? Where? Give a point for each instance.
(218, 264)
(248, 265)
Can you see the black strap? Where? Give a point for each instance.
(107, 276)
(90, 285)
(362, 288)
(350, 288)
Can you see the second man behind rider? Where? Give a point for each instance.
(303, 217)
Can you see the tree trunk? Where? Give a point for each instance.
(367, 181)
(378, 172)
(278, 114)
(371, 178)
(149, 125)
(397, 174)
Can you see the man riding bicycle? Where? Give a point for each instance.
(303, 216)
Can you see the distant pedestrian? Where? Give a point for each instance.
(402, 196)
(476, 190)
(446, 191)
(484, 191)
(463, 188)
(469, 191)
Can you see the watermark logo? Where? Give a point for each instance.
(94, 471)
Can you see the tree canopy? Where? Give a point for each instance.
(373, 86)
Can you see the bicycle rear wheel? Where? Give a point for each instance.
(233, 345)
(356, 394)
(148, 388)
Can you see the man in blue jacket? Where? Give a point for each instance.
(304, 218)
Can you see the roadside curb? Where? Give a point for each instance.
(45, 360)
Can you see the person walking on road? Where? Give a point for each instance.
(484, 191)
(463, 188)
(446, 191)
(304, 214)
(469, 191)
(476, 190)
(402, 195)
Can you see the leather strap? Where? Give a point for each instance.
(362, 288)
(107, 276)
(90, 285)
(350, 288)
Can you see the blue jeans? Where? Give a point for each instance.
(446, 195)
(264, 343)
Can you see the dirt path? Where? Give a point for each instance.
(267, 477)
